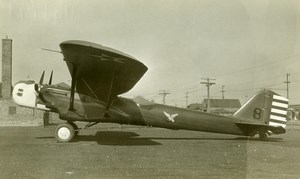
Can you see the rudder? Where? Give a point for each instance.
(265, 107)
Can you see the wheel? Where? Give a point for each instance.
(75, 128)
(263, 136)
(64, 133)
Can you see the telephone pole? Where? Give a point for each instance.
(208, 84)
(287, 84)
(223, 91)
(186, 99)
(164, 93)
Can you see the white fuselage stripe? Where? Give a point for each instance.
(282, 105)
(280, 98)
(278, 111)
(277, 124)
(278, 118)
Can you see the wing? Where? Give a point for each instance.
(101, 72)
(173, 116)
(168, 115)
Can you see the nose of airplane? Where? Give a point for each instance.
(24, 93)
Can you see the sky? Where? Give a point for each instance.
(245, 45)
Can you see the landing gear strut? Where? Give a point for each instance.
(76, 129)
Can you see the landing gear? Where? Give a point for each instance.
(65, 132)
(263, 135)
(75, 128)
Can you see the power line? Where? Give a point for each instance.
(208, 84)
(276, 63)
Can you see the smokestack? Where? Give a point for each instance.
(6, 68)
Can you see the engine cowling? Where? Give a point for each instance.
(24, 94)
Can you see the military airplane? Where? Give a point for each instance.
(100, 74)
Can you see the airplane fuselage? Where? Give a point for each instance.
(126, 111)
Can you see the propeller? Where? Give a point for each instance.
(42, 78)
(50, 80)
(38, 87)
(35, 106)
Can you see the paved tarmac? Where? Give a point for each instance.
(111, 151)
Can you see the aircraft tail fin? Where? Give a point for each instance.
(266, 107)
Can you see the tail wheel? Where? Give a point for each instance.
(64, 133)
(263, 136)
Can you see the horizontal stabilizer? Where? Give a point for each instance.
(250, 127)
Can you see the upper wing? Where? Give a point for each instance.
(101, 72)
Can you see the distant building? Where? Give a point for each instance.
(218, 106)
(196, 107)
(63, 85)
(142, 101)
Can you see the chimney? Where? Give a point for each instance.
(6, 68)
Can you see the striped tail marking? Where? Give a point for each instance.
(278, 116)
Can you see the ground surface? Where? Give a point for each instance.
(112, 151)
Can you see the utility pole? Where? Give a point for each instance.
(186, 99)
(208, 84)
(287, 84)
(223, 91)
(164, 93)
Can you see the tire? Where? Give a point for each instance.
(263, 136)
(64, 133)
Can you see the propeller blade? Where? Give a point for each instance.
(50, 80)
(42, 78)
(36, 87)
(35, 105)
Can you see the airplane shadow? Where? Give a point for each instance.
(122, 138)
(270, 139)
(118, 138)
(217, 138)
